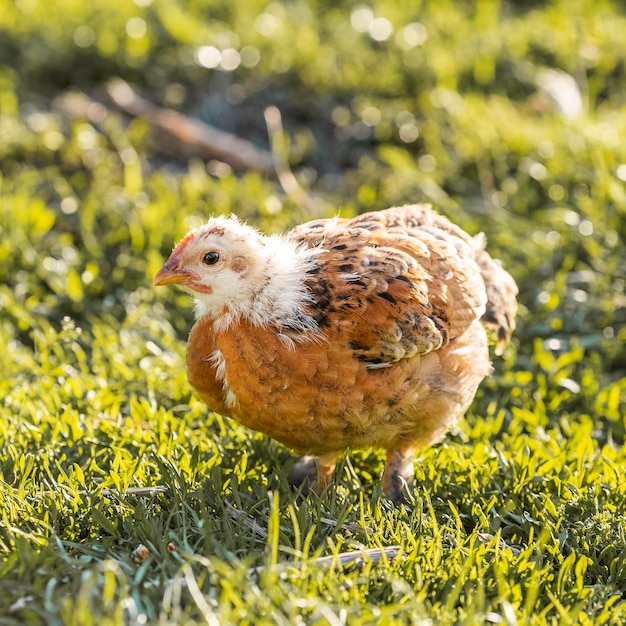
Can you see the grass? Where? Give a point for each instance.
(123, 499)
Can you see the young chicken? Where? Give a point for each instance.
(343, 333)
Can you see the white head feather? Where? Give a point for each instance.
(255, 276)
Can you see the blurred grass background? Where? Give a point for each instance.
(509, 117)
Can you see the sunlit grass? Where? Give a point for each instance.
(123, 499)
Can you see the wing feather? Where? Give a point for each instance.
(395, 283)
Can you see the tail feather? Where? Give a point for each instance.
(499, 315)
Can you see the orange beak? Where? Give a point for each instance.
(171, 274)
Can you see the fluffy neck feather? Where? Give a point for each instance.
(273, 293)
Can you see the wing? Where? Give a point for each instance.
(393, 283)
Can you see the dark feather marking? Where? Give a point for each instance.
(358, 282)
(387, 296)
(406, 279)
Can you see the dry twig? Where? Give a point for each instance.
(343, 559)
(210, 142)
(287, 180)
(245, 519)
(136, 491)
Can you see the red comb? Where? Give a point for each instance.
(182, 244)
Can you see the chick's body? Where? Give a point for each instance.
(368, 332)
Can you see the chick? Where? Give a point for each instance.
(343, 333)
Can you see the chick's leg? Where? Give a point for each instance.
(399, 471)
(313, 471)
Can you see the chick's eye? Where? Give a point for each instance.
(211, 258)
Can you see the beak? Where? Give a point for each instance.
(170, 274)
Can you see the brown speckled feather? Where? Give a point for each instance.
(395, 281)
